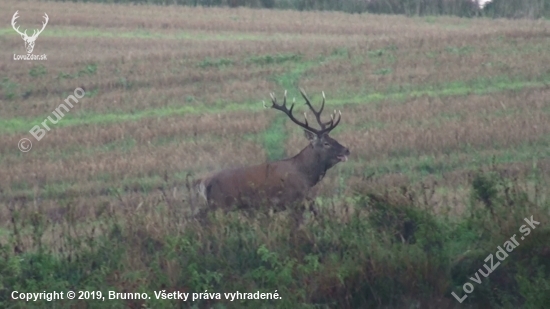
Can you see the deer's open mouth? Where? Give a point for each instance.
(342, 158)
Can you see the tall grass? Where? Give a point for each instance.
(380, 249)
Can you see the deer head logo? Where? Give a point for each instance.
(29, 40)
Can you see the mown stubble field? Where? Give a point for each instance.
(176, 91)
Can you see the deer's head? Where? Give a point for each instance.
(327, 151)
(29, 40)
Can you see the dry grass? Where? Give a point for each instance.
(172, 90)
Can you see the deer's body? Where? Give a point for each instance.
(278, 184)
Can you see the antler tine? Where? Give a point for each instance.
(305, 125)
(315, 112)
(284, 102)
(305, 119)
(288, 112)
(304, 95)
(43, 25)
(331, 123)
(14, 17)
(13, 22)
(322, 104)
(337, 121)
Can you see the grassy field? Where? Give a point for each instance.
(447, 120)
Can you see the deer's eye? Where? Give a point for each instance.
(326, 144)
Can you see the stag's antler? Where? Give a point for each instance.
(318, 113)
(34, 32)
(324, 129)
(43, 26)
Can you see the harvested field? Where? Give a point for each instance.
(173, 92)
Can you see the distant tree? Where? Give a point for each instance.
(517, 8)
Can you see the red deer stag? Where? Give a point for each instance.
(280, 184)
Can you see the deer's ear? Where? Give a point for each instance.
(310, 136)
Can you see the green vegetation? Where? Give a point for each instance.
(9, 88)
(275, 59)
(274, 139)
(38, 70)
(388, 251)
(288, 81)
(218, 63)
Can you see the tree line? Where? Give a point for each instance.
(532, 9)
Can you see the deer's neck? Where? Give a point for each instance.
(310, 165)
